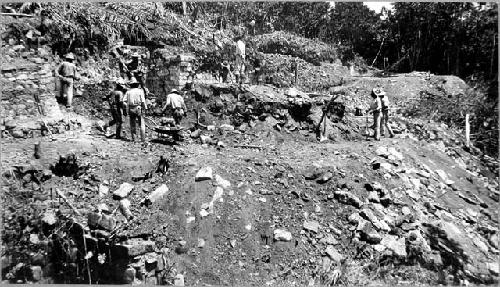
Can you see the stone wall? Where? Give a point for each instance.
(28, 93)
(167, 71)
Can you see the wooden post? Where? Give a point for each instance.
(467, 131)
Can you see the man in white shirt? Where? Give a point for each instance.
(240, 59)
(177, 105)
(134, 102)
(385, 114)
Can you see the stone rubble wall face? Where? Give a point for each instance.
(167, 73)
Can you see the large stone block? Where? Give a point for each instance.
(132, 248)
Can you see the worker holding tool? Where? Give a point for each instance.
(176, 104)
(375, 108)
(134, 102)
(385, 114)
(116, 107)
(67, 74)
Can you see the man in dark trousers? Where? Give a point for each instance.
(67, 74)
(176, 103)
(134, 103)
(116, 107)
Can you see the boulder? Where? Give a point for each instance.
(324, 177)
(222, 182)
(347, 198)
(132, 248)
(125, 208)
(128, 275)
(179, 280)
(311, 225)
(101, 221)
(205, 173)
(103, 190)
(334, 254)
(329, 240)
(17, 133)
(226, 127)
(123, 191)
(49, 218)
(397, 246)
(36, 273)
(282, 235)
(157, 193)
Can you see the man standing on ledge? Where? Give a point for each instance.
(66, 72)
(134, 103)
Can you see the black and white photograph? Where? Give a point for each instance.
(271, 143)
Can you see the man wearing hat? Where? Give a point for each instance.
(134, 102)
(375, 108)
(177, 105)
(384, 101)
(116, 106)
(66, 72)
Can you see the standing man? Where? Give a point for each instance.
(177, 105)
(134, 102)
(375, 108)
(66, 72)
(116, 107)
(240, 59)
(385, 114)
(225, 71)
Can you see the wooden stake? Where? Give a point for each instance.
(467, 131)
(67, 202)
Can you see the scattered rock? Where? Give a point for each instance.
(397, 246)
(347, 198)
(334, 254)
(157, 193)
(222, 182)
(179, 280)
(369, 234)
(325, 177)
(311, 226)
(373, 197)
(128, 275)
(125, 208)
(226, 127)
(17, 133)
(204, 174)
(493, 268)
(282, 235)
(103, 190)
(312, 175)
(36, 273)
(329, 240)
(123, 191)
(201, 242)
(34, 238)
(49, 218)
